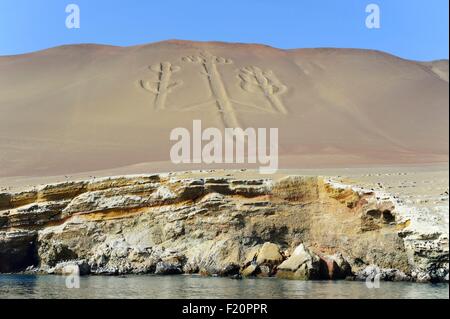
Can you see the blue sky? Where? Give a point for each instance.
(414, 29)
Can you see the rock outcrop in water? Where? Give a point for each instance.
(297, 227)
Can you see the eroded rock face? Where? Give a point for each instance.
(80, 267)
(303, 265)
(263, 261)
(298, 227)
(373, 272)
(335, 267)
(17, 250)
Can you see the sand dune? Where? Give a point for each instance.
(88, 107)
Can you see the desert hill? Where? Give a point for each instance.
(90, 107)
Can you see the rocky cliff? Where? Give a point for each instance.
(297, 227)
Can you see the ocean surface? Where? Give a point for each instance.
(183, 286)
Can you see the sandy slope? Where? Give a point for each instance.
(83, 108)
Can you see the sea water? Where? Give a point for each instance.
(184, 286)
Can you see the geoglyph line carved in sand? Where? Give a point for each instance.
(164, 85)
(253, 78)
(216, 85)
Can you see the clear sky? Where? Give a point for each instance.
(414, 29)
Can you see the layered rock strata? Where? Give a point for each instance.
(298, 227)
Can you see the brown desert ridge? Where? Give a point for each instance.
(80, 108)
